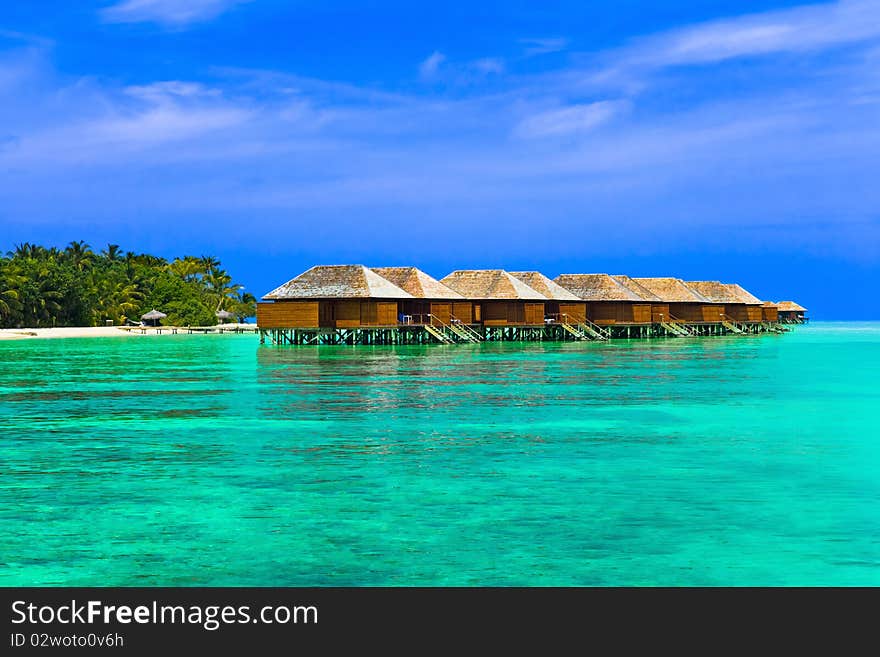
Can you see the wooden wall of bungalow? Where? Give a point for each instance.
(696, 312)
(571, 312)
(740, 312)
(328, 313)
(770, 312)
(659, 312)
(508, 313)
(607, 313)
(445, 311)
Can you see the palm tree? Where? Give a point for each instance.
(26, 250)
(115, 298)
(188, 268)
(221, 286)
(41, 302)
(112, 252)
(245, 306)
(79, 254)
(11, 281)
(209, 264)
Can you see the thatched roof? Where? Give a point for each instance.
(790, 306)
(638, 288)
(715, 291)
(417, 282)
(744, 295)
(154, 314)
(769, 304)
(338, 282)
(597, 287)
(672, 290)
(537, 281)
(490, 284)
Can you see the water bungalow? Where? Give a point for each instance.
(686, 306)
(770, 312)
(791, 312)
(753, 305)
(499, 298)
(608, 300)
(433, 302)
(659, 309)
(354, 304)
(731, 304)
(335, 296)
(561, 305)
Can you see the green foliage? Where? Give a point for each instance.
(42, 287)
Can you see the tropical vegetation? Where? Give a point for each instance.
(75, 286)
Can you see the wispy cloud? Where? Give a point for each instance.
(126, 121)
(161, 125)
(158, 91)
(542, 46)
(175, 13)
(430, 65)
(33, 39)
(488, 65)
(439, 68)
(571, 120)
(798, 29)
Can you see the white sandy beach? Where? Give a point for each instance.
(74, 332)
(92, 332)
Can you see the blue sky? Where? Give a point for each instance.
(708, 140)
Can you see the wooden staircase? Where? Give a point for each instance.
(578, 335)
(676, 330)
(465, 332)
(730, 326)
(593, 331)
(452, 332)
(438, 334)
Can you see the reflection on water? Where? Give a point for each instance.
(214, 460)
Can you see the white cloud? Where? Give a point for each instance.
(429, 67)
(535, 47)
(488, 65)
(106, 125)
(797, 29)
(574, 119)
(162, 124)
(170, 89)
(166, 12)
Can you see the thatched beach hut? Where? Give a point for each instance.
(431, 297)
(685, 304)
(753, 305)
(499, 299)
(789, 311)
(608, 300)
(729, 304)
(561, 305)
(224, 316)
(153, 317)
(333, 296)
(659, 308)
(770, 312)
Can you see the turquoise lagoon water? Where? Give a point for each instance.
(212, 460)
